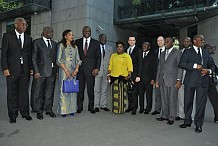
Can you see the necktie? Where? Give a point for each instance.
(49, 45)
(86, 48)
(199, 54)
(159, 53)
(19, 41)
(166, 55)
(103, 51)
(130, 49)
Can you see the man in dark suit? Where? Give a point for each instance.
(198, 64)
(45, 69)
(161, 49)
(16, 66)
(135, 53)
(90, 54)
(148, 77)
(212, 91)
(169, 77)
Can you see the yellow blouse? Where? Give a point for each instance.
(120, 64)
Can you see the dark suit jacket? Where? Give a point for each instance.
(43, 57)
(11, 53)
(193, 76)
(136, 56)
(93, 57)
(149, 67)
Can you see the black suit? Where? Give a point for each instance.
(136, 56)
(213, 94)
(148, 73)
(18, 81)
(194, 82)
(91, 61)
(44, 62)
(157, 90)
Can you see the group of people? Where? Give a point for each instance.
(130, 73)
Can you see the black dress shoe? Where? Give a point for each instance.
(178, 118)
(51, 114)
(92, 111)
(185, 125)
(198, 129)
(146, 112)
(39, 116)
(133, 112)
(128, 110)
(28, 118)
(96, 109)
(12, 121)
(105, 109)
(155, 113)
(78, 111)
(141, 111)
(170, 122)
(215, 120)
(161, 119)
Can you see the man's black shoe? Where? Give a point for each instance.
(51, 114)
(155, 113)
(185, 125)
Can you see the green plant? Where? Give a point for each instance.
(6, 6)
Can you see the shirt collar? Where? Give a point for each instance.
(169, 50)
(88, 39)
(162, 49)
(17, 33)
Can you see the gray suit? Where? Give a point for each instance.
(101, 84)
(167, 75)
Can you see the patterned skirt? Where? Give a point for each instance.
(119, 96)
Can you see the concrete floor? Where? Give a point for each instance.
(101, 129)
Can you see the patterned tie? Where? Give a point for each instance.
(103, 51)
(86, 48)
(19, 41)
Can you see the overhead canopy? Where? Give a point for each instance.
(166, 22)
(29, 7)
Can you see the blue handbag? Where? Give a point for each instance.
(70, 86)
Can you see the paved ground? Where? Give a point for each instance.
(101, 129)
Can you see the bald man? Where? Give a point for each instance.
(16, 67)
(45, 70)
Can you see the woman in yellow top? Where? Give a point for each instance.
(119, 71)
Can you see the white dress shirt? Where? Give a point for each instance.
(22, 37)
(88, 41)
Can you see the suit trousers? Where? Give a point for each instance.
(213, 96)
(17, 94)
(90, 81)
(43, 93)
(148, 88)
(100, 91)
(180, 109)
(201, 100)
(169, 96)
(157, 99)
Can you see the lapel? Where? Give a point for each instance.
(15, 38)
(170, 54)
(90, 44)
(133, 51)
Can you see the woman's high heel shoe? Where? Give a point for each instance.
(72, 114)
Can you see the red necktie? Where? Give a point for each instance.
(86, 48)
